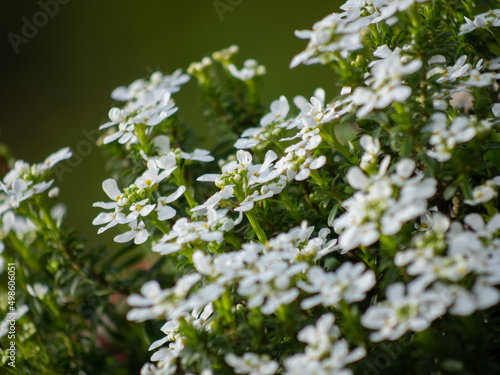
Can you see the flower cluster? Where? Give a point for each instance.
(342, 32)
(246, 275)
(385, 81)
(147, 103)
(25, 181)
(21, 186)
(324, 352)
(382, 203)
(136, 203)
(397, 262)
(483, 20)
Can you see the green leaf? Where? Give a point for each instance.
(332, 215)
(450, 191)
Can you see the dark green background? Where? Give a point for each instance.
(59, 83)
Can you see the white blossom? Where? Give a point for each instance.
(251, 363)
(410, 307)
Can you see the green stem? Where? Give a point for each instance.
(181, 181)
(256, 226)
(24, 251)
(368, 259)
(190, 199)
(34, 219)
(490, 207)
(415, 17)
(159, 224)
(332, 139)
(47, 217)
(140, 131)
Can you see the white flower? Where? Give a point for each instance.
(451, 73)
(410, 307)
(482, 194)
(250, 138)
(137, 232)
(335, 32)
(63, 154)
(445, 139)
(168, 356)
(490, 18)
(157, 82)
(151, 177)
(324, 353)
(24, 181)
(251, 363)
(303, 104)
(477, 79)
(319, 337)
(269, 285)
(249, 71)
(309, 164)
(226, 192)
(141, 208)
(349, 283)
(109, 218)
(248, 203)
(404, 169)
(314, 111)
(155, 302)
(152, 369)
(366, 98)
(166, 212)
(18, 191)
(279, 111)
(184, 231)
(198, 154)
(125, 134)
(110, 187)
(38, 290)
(54, 192)
(374, 209)
(386, 81)
(152, 110)
(372, 149)
(148, 103)
(144, 304)
(496, 109)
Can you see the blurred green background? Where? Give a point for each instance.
(59, 82)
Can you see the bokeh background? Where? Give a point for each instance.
(59, 82)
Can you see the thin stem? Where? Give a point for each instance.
(490, 208)
(181, 181)
(47, 217)
(368, 259)
(256, 226)
(140, 131)
(332, 139)
(24, 251)
(159, 224)
(190, 199)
